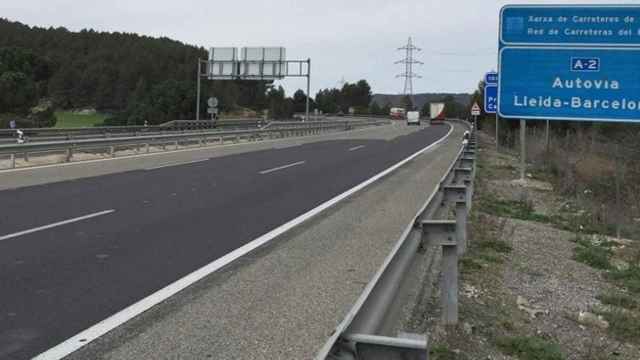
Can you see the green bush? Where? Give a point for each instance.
(499, 246)
(620, 300)
(594, 256)
(530, 348)
(441, 352)
(629, 278)
(624, 325)
(522, 210)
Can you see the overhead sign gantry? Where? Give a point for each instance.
(255, 63)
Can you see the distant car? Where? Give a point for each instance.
(413, 118)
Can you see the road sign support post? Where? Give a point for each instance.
(523, 148)
(308, 88)
(497, 134)
(546, 138)
(198, 91)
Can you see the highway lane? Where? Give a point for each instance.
(166, 223)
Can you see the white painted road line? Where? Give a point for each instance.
(281, 167)
(90, 334)
(60, 223)
(357, 148)
(175, 164)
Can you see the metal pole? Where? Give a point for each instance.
(618, 197)
(308, 87)
(449, 291)
(198, 91)
(497, 134)
(523, 136)
(546, 138)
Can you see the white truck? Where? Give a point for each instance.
(413, 118)
(436, 111)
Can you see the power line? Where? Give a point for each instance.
(408, 73)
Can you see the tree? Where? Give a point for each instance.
(426, 109)
(280, 107)
(386, 109)
(300, 101)
(327, 100)
(374, 109)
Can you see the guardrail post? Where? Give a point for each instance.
(26, 156)
(461, 174)
(112, 151)
(12, 161)
(462, 215)
(69, 155)
(146, 148)
(469, 185)
(444, 232)
(454, 193)
(175, 143)
(467, 162)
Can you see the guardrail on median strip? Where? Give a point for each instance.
(54, 134)
(361, 335)
(155, 143)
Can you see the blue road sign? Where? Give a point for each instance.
(490, 99)
(491, 78)
(593, 25)
(575, 62)
(544, 83)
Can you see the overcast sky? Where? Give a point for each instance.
(350, 39)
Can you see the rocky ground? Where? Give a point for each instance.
(533, 286)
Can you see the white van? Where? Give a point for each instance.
(413, 118)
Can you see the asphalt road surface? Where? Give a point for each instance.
(73, 253)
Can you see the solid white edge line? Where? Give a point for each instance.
(357, 148)
(56, 224)
(169, 152)
(263, 172)
(176, 164)
(86, 336)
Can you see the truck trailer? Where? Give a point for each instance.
(437, 111)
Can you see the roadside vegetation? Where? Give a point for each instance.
(546, 275)
(68, 119)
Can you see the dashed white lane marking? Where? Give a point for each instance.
(175, 164)
(357, 148)
(60, 223)
(263, 172)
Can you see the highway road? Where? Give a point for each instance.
(75, 252)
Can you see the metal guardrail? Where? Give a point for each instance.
(52, 134)
(143, 144)
(361, 335)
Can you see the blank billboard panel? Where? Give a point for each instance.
(263, 63)
(264, 53)
(223, 54)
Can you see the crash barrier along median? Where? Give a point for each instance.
(40, 153)
(439, 230)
